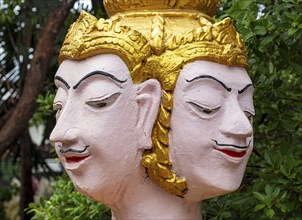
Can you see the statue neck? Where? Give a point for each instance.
(147, 200)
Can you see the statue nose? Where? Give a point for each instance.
(237, 128)
(66, 129)
(67, 126)
(64, 135)
(235, 123)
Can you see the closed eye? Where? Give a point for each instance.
(203, 109)
(249, 115)
(101, 103)
(57, 107)
(97, 103)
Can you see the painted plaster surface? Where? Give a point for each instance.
(211, 135)
(97, 130)
(211, 128)
(104, 125)
(153, 118)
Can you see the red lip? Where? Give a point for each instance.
(232, 153)
(75, 159)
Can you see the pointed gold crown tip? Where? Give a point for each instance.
(208, 7)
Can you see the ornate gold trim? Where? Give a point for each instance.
(208, 7)
(88, 37)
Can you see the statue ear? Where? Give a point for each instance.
(148, 100)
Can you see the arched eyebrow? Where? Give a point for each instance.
(210, 77)
(63, 81)
(245, 88)
(98, 72)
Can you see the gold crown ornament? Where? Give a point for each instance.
(89, 36)
(218, 42)
(158, 20)
(208, 7)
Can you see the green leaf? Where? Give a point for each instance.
(297, 68)
(268, 190)
(276, 192)
(42, 202)
(259, 207)
(268, 158)
(268, 39)
(270, 213)
(244, 4)
(259, 196)
(284, 195)
(292, 31)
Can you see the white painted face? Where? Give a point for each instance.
(211, 135)
(98, 125)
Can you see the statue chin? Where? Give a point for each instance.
(213, 186)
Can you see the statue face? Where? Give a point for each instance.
(97, 129)
(211, 135)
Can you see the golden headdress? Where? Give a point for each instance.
(208, 7)
(89, 36)
(218, 42)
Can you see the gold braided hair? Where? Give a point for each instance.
(173, 46)
(218, 43)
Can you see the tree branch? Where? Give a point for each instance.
(18, 120)
(12, 41)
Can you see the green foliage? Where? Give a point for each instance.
(8, 189)
(68, 204)
(7, 8)
(44, 108)
(272, 186)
